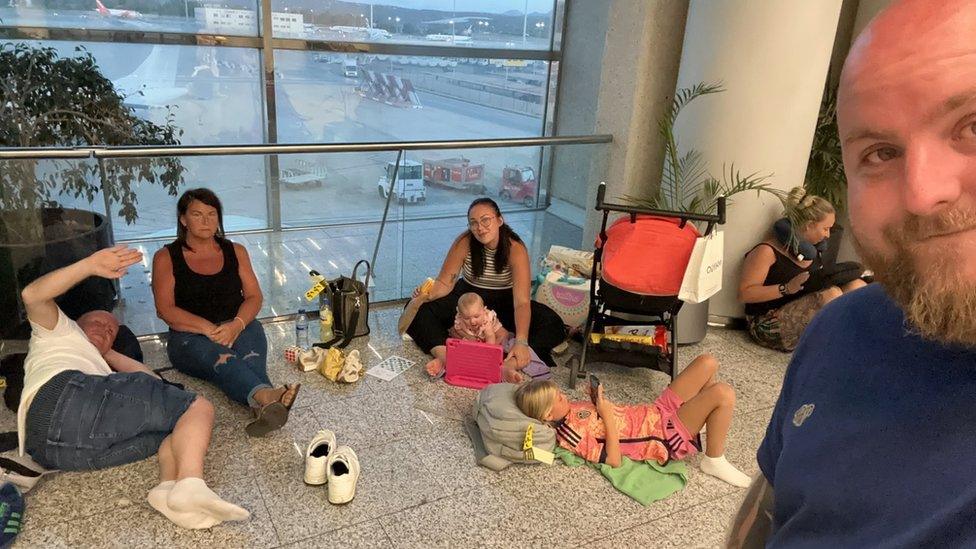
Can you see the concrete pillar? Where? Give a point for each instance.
(772, 58)
(620, 63)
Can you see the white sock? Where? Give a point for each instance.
(194, 521)
(192, 495)
(720, 468)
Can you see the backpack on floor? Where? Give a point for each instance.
(502, 426)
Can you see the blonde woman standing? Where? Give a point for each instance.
(778, 305)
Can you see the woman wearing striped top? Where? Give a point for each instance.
(494, 263)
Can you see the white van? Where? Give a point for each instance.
(410, 182)
(349, 68)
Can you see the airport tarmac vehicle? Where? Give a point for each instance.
(519, 184)
(409, 186)
(455, 173)
(302, 177)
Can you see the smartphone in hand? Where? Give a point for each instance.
(594, 385)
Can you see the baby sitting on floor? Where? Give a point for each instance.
(476, 322)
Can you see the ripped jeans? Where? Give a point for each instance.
(238, 371)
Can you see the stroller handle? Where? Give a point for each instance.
(718, 217)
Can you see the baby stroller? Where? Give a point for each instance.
(638, 265)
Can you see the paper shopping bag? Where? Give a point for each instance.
(703, 276)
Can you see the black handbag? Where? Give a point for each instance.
(350, 308)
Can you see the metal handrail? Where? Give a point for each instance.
(38, 153)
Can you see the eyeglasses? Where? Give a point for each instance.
(485, 222)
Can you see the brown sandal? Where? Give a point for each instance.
(274, 415)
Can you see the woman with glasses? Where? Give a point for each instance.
(492, 262)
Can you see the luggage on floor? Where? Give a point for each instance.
(503, 428)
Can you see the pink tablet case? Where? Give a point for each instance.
(473, 364)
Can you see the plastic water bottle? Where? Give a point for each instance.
(301, 330)
(325, 318)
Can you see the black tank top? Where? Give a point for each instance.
(215, 297)
(782, 271)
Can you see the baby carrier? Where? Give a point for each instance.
(639, 262)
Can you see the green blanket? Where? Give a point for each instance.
(645, 481)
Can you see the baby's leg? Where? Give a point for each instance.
(698, 376)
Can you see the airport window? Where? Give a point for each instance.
(322, 210)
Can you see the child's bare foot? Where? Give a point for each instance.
(435, 367)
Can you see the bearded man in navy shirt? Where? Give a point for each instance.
(873, 440)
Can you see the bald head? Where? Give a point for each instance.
(910, 30)
(100, 327)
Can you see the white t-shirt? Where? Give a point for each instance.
(51, 352)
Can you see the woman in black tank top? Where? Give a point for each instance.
(777, 305)
(206, 291)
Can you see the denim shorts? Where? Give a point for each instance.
(101, 421)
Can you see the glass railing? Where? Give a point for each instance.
(295, 207)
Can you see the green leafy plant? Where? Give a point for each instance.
(825, 168)
(47, 100)
(686, 185)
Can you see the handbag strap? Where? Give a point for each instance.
(355, 269)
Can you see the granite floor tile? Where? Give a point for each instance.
(371, 420)
(366, 535)
(476, 518)
(53, 536)
(56, 497)
(701, 526)
(133, 525)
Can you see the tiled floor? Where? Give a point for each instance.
(420, 486)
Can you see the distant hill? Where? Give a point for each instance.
(415, 21)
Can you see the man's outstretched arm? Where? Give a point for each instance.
(40, 294)
(754, 520)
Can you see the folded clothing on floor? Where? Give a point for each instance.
(644, 481)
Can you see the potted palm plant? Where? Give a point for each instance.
(49, 100)
(688, 187)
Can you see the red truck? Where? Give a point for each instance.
(455, 173)
(519, 184)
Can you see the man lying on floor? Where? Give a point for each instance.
(85, 406)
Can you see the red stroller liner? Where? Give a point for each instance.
(649, 255)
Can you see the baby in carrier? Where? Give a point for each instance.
(476, 322)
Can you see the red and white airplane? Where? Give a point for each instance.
(124, 14)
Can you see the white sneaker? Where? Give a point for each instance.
(317, 457)
(343, 474)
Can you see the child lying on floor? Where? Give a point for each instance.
(662, 431)
(476, 322)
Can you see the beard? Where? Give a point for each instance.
(936, 295)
